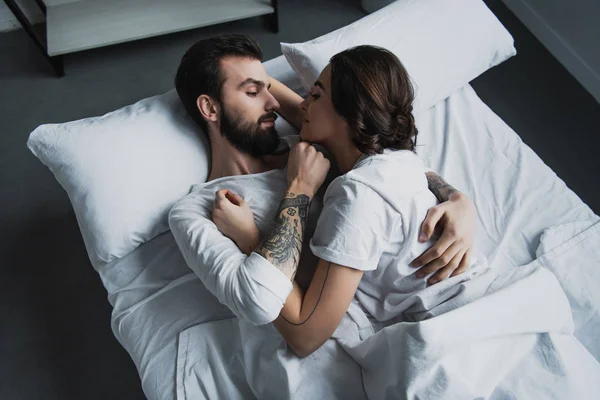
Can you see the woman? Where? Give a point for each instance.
(360, 110)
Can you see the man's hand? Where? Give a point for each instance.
(450, 256)
(235, 219)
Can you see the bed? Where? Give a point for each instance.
(185, 344)
(156, 298)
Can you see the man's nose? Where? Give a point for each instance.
(272, 103)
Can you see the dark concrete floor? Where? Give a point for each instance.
(55, 337)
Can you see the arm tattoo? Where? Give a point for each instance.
(283, 244)
(439, 187)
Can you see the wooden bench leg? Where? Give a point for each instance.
(58, 65)
(272, 20)
(56, 61)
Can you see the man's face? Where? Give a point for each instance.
(247, 117)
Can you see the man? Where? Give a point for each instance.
(226, 90)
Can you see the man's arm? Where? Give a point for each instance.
(249, 286)
(439, 187)
(289, 102)
(456, 216)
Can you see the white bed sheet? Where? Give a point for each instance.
(156, 297)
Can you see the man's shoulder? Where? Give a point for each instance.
(196, 204)
(199, 202)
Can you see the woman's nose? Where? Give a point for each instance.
(304, 105)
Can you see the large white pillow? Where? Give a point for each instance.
(444, 44)
(124, 171)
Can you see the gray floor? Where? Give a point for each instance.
(55, 339)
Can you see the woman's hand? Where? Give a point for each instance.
(235, 219)
(450, 256)
(307, 169)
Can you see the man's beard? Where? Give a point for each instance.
(249, 137)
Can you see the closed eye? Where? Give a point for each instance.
(252, 94)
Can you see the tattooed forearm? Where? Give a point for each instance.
(439, 187)
(284, 241)
(283, 244)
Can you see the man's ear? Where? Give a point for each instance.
(208, 108)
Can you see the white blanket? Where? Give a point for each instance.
(513, 342)
(499, 335)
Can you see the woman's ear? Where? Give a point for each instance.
(207, 107)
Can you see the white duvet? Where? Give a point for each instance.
(499, 335)
(515, 342)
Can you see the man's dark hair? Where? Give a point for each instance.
(200, 69)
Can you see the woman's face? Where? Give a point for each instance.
(321, 122)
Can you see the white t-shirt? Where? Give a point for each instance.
(370, 221)
(250, 286)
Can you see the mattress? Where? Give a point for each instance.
(156, 298)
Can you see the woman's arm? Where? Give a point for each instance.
(289, 102)
(281, 246)
(308, 319)
(283, 243)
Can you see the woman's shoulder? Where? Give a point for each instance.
(388, 159)
(349, 189)
(391, 176)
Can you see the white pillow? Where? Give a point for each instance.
(444, 44)
(124, 171)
